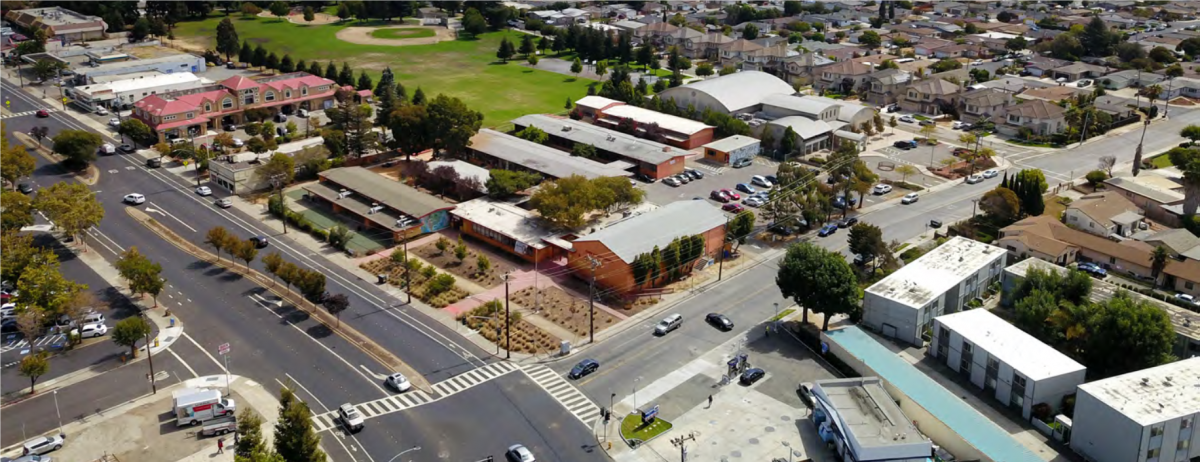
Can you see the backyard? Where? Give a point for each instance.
(467, 69)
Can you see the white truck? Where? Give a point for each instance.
(201, 406)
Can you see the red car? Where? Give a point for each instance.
(719, 196)
(733, 195)
(735, 208)
(41, 113)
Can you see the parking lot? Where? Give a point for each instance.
(715, 178)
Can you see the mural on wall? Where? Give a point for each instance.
(435, 221)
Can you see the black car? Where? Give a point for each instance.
(783, 230)
(259, 241)
(935, 224)
(752, 375)
(893, 108)
(805, 392)
(719, 320)
(154, 162)
(645, 178)
(230, 127)
(695, 174)
(772, 179)
(848, 222)
(584, 367)
(25, 188)
(843, 202)
(126, 148)
(905, 144)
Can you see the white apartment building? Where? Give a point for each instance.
(864, 423)
(1144, 416)
(1019, 370)
(903, 305)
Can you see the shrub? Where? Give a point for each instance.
(439, 284)
(817, 160)
(429, 272)
(1096, 177)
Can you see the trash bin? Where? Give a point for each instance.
(382, 278)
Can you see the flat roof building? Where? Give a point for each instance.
(945, 418)
(903, 305)
(171, 64)
(509, 228)
(379, 202)
(673, 130)
(498, 150)
(1148, 415)
(1019, 370)
(652, 159)
(732, 149)
(863, 422)
(60, 24)
(123, 93)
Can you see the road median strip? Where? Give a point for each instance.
(356, 338)
(89, 177)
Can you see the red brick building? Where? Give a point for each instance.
(665, 128)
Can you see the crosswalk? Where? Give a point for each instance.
(45, 340)
(711, 168)
(563, 392)
(22, 114)
(554, 384)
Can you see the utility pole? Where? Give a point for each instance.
(407, 273)
(507, 324)
(150, 357)
(721, 251)
(592, 300)
(681, 442)
(1083, 135)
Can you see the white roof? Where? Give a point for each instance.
(596, 102)
(804, 127)
(1007, 343)
(1152, 395)
(803, 105)
(919, 282)
(732, 143)
(665, 121)
(735, 91)
(145, 82)
(504, 218)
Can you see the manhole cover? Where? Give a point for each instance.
(786, 418)
(770, 429)
(753, 440)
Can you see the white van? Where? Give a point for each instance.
(668, 324)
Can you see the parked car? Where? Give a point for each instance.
(154, 162)
(735, 208)
(926, 122)
(302, 113)
(843, 202)
(719, 320)
(684, 179)
(752, 375)
(1083, 83)
(882, 188)
(114, 122)
(230, 127)
(827, 230)
(224, 203)
(743, 162)
(280, 117)
(893, 108)
(1093, 269)
(976, 178)
(908, 118)
(584, 367)
(754, 201)
(718, 196)
(237, 143)
(847, 222)
(743, 187)
(733, 195)
(695, 174)
(518, 453)
(90, 330)
(43, 444)
(126, 148)
(905, 144)
(645, 178)
(956, 125)
(204, 191)
(1186, 298)
(672, 181)
(399, 382)
(134, 198)
(759, 180)
(991, 173)
(25, 188)
(805, 392)
(909, 198)
(935, 224)
(101, 111)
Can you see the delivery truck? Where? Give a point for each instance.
(201, 406)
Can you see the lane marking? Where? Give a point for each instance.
(169, 214)
(318, 400)
(202, 350)
(185, 364)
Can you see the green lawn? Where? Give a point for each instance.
(467, 69)
(403, 33)
(633, 429)
(1162, 161)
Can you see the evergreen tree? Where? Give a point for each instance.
(295, 439)
(506, 49)
(227, 38)
(331, 71)
(260, 56)
(419, 97)
(272, 61)
(526, 44)
(300, 66)
(364, 81)
(401, 94)
(385, 94)
(246, 55)
(346, 76)
(314, 68)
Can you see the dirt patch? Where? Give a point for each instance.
(561, 308)
(488, 319)
(469, 267)
(420, 278)
(362, 36)
(319, 19)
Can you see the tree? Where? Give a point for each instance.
(583, 150)
(870, 39)
(260, 56)
(346, 75)
(1191, 132)
(474, 23)
(506, 50)
(279, 9)
(704, 69)
(272, 61)
(77, 146)
(1001, 203)
(460, 251)
(34, 366)
(1128, 335)
(250, 10)
(1159, 259)
(527, 46)
(866, 241)
(1106, 164)
(15, 162)
(483, 264)
(249, 431)
(410, 129)
(220, 239)
(245, 251)
(787, 143)
(129, 331)
(534, 134)
(17, 211)
(504, 183)
(364, 82)
(343, 11)
(141, 30)
(532, 60)
(335, 304)
(136, 130)
(273, 262)
(740, 228)
(452, 124)
(1097, 39)
(295, 439)
(819, 280)
(281, 166)
(1066, 46)
(905, 170)
(750, 32)
(228, 43)
(71, 206)
(576, 67)
(309, 14)
(1095, 177)
(286, 65)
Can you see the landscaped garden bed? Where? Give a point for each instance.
(467, 267)
(559, 307)
(437, 289)
(488, 319)
(636, 433)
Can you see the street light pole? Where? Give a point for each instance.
(407, 273)
(507, 323)
(150, 357)
(56, 412)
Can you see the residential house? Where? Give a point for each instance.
(1104, 214)
(1040, 117)
(799, 68)
(1129, 78)
(1119, 109)
(954, 8)
(1180, 242)
(983, 103)
(1076, 71)
(1040, 65)
(1159, 197)
(929, 46)
(930, 96)
(1054, 94)
(842, 76)
(887, 86)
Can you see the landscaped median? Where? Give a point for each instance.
(636, 433)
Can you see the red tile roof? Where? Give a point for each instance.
(239, 83)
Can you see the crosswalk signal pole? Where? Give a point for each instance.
(507, 324)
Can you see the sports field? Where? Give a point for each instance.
(402, 33)
(467, 69)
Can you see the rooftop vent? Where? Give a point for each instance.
(1145, 381)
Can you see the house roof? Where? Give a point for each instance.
(741, 45)
(1178, 239)
(847, 68)
(986, 97)
(384, 190)
(1080, 67)
(936, 87)
(736, 91)
(238, 82)
(597, 102)
(1036, 109)
(640, 234)
(1103, 206)
(804, 127)
(846, 109)
(892, 76)
(1050, 229)
(1156, 188)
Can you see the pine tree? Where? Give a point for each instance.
(506, 50)
(295, 439)
(364, 81)
(286, 65)
(385, 94)
(246, 55)
(315, 69)
(401, 94)
(301, 66)
(331, 71)
(419, 97)
(527, 47)
(346, 76)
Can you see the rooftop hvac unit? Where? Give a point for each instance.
(566, 128)
(375, 209)
(343, 193)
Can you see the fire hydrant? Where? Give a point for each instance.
(155, 342)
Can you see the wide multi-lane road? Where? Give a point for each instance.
(277, 345)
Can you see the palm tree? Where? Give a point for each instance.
(1158, 262)
(1072, 321)
(1152, 93)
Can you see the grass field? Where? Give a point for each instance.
(1162, 161)
(467, 69)
(403, 33)
(633, 428)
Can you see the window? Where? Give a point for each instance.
(1156, 430)
(1012, 249)
(1188, 286)
(912, 95)
(249, 99)
(1153, 453)
(191, 115)
(170, 117)
(287, 93)
(1183, 445)
(304, 91)
(1090, 224)
(1112, 260)
(207, 107)
(1187, 421)
(227, 103)
(1014, 119)
(270, 96)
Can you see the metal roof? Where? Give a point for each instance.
(539, 158)
(616, 142)
(736, 91)
(1005, 342)
(640, 234)
(385, 191)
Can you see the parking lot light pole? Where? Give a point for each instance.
(56, 412)
(150, 357)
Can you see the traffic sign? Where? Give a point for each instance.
(223, 349)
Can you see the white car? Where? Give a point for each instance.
(350, 417)
(672, 181)
(908, 119)
(977, 62)
(101, 111)
(399, 382)
(204, 191)
(883, 188)
(91, 330)
(134, 198)
(114, 122)
(754, 201)
(956, 125)
(237, 143)
(991, 173)
(518, 453)
(909, 198)
(974, 179)
(43, 444)
(759, 180)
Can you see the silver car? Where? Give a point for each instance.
(43, 444)
(519, 453)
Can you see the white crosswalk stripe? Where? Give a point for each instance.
(410, 399)
(714, 169)
(563, 392)
(22, 114)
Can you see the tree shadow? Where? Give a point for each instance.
(319, 331)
